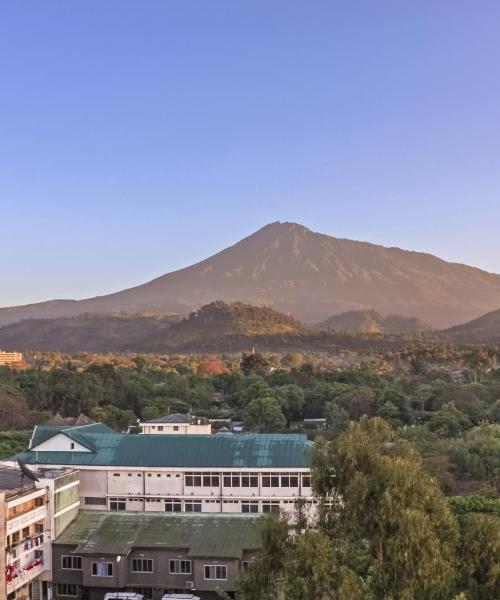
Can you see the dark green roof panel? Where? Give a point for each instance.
(189, 451)
(202, 535)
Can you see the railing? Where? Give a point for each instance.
(26, 518)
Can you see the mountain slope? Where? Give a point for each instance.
(85, 333)
(485, 330)
(292, 269)
(221, 325)
(370, 321)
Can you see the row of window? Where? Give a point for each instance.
(142, 565)
(237, 479)
(175, 504)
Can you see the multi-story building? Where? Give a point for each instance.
(151, 554)
(7, 358)
(245, 473)
(31, 513)
(176, 424)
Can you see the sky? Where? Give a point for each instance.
(138, 137)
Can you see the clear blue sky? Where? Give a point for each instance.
(137, 137)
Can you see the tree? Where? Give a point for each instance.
(480, 556)
(264, 415)
(254, 364)
(292, 401)
(394, 525)
(337, 419)
(449, 421)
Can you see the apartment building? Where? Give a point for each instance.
(31, 513)
(176, 424)
(245, 473)
(151, 554)
(7, 358)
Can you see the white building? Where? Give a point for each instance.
(32, 514)
(247, 473)
(176, 424)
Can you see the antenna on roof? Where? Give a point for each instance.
(26, 472)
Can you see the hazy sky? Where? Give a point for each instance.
(137, 137)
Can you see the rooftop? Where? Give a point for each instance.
(12, 480)
(177, 418)
(202, 535)
(108, 448)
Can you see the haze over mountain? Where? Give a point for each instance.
(310, 275)
(484, 330)
(83, 333)
(371, 321)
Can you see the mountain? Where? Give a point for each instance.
(85, 333)
(371, 321)
(293, 269)
(484, 330)
(220, 326)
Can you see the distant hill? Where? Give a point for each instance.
(371, 321)
(293, 269)
(484, 330)
(85, 333)
(219, 325)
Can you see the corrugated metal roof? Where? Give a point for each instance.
(202, 535)
(42, 433)
(196, 451)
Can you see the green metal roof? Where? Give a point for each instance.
(202, 535)
(183, 451)
(42, 433)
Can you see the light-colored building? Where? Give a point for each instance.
(7, 358)
(32, 514)
(245, 473)
(177, 424)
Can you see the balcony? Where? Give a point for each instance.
(25, 519)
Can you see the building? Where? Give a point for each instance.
(31, 514)
(151, 554)
(177, 424)
(7, 358)
(244, 473)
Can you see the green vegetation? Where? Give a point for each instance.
(394, 535)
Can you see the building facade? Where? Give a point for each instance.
(246, 473)
(7, 358)
(102, 552)
(176, 424)
(31, 514)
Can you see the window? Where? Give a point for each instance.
(306, 480)
(142, 565)
(116, 474)
(67, 589)
(215, 572)
(202, 479)
(102, 569)
(284, 480)
(71, 562)
(192, 506)
(270, 480)
(91, 501)
(72, 445)
(160, 428)
(25, 532)
(241, 480)
(245, 564)
(193, 480)
(117, 504)
(38, 527)
(270, 507)
(15, 537)
(176, 428)
(249, 506)
(180, 566)
(173, 505)
(39, 501)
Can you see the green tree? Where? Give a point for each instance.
(264, 415)
(394, 524)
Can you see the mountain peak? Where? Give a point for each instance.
(311, 275)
